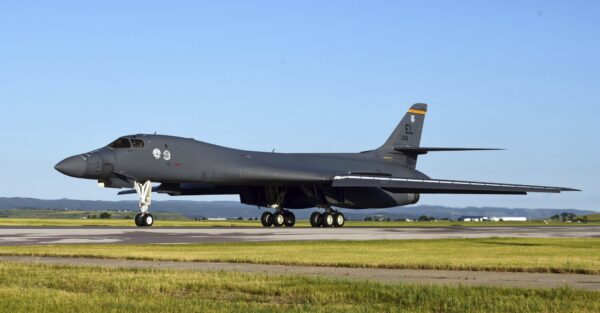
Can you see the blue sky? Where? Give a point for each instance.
(316, 76)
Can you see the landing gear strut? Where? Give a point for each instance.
(330, 218)
(278, 219)
(144, 191)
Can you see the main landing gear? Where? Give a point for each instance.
(144, 191)
(278, 219)
(286, 218)
(329, 218)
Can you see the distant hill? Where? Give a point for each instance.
(232, 209)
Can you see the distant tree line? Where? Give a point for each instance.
(104, 215)
(422, 218)
(569, 217)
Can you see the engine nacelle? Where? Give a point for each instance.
(347, 197)
(366, 198)
(412, 198)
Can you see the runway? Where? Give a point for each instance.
(129, 235)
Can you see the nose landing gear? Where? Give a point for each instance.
(144, 220)
(144, 191)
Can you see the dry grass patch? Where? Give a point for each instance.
(556, 255)
(41, 288)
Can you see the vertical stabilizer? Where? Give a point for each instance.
(407, 133)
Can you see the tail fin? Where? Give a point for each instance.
(406, 135)
(408, 132)
(404, 145)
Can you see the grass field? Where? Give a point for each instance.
(236, 223)
(40, 288)
(563, 255)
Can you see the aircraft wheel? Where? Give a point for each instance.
(266, 219)
(327, 219)
(339, 219)
(148, 220)
(315, 219)
(138, 220)
(278, 219)
(290, 219)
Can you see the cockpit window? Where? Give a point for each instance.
(120, 143)
(137, 143)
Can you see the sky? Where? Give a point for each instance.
(307, 76)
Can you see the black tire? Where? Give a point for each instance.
(148, 220)
(339, 219)
(266, 219)
(278, 219)
(138, 220)
(315, 219)
(290, 219)
(327, 220)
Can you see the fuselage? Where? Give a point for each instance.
(185, 166)
(169, 159)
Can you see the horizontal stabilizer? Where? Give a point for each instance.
(425, 150)
(411, 185)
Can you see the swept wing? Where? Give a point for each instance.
(444, 186)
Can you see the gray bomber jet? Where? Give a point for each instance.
(381, 178)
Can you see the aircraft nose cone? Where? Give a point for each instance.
(74, 166)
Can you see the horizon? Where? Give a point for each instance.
(357, 210)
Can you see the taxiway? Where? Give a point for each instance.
(74, 235)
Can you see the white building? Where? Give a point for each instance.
(509, 219)
(473, 218)
(493, 219)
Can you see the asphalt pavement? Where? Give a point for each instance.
(91, 235)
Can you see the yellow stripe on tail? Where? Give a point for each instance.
(417, 111)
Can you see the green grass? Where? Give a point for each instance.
(113, 222)
(557, 255)
(41, 288)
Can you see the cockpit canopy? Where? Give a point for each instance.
(126, 143)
